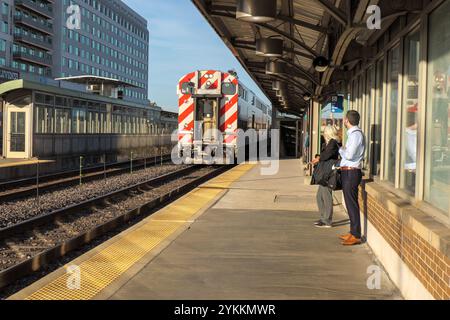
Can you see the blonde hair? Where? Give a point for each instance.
(330, 133)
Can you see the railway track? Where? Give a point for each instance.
(31, 245)
(13, 190)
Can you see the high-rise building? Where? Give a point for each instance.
(26, 36)
(110, 40)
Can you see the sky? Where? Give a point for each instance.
(182, 41)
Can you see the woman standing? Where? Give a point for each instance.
(330, 151)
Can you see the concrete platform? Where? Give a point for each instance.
(258, 242)
(255, 240)
(12, 163)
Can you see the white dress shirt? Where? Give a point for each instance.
(353, 153)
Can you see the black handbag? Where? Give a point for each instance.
(318, 174)
(325, 174)
(335, 180)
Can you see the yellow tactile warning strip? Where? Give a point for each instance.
(103, 268)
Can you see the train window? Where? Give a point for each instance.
(188, 88)
(228, 89)
(62, 121)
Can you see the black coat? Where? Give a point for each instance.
(328, 158)
(330, 151)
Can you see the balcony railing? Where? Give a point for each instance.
(42, 8)
(43, 43)
(45, 60)
(28, 21)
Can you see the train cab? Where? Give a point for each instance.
(213, 107)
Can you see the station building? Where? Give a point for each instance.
(305, 53)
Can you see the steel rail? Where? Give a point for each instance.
(68, 179)
(38, 262)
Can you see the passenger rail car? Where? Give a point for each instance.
(213, 106)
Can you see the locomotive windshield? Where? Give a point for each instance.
(228, 89)
(187, 88)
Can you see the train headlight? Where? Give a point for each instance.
(208, 83)
(230, 127)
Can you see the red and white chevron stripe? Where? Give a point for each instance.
(209, 80)
(229, 112)
(186, 106)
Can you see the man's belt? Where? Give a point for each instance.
(349, 168)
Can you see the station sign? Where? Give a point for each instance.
(8, 75)
(337, 104)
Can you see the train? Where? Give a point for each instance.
(213, 107)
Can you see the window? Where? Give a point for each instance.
(391, 114)
(376, 127)
(5, 8)
(368, 111)
(62, 121)
(437, 155)
(93, 122)
(44, 119)
(410, 113)
(354, 95)
(78, 121)
(5, 27)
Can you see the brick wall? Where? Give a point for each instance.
(428, 264)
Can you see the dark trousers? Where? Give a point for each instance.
(350, 186)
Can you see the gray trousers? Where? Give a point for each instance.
(325, 203)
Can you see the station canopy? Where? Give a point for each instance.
(298, 50)
(95, 80)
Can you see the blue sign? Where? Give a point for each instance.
(337, 104)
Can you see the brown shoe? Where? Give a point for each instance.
(352, 241)
(345, 236)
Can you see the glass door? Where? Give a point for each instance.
(18, 133)
(206, 121)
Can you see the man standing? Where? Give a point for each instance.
(352, 156)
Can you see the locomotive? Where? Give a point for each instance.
(213, 107)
